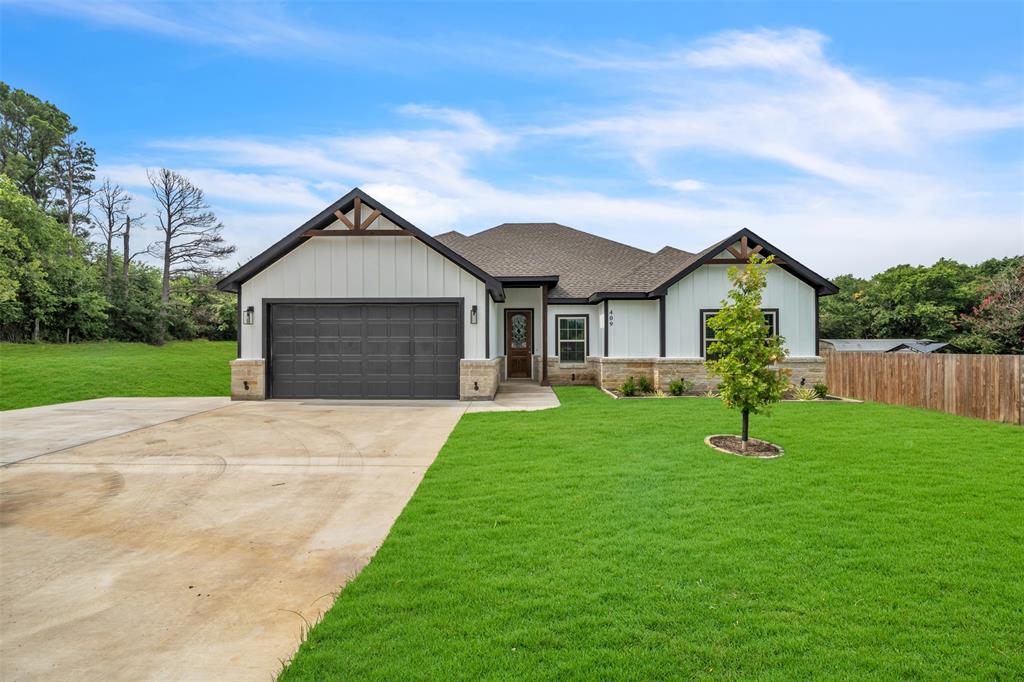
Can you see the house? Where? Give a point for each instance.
(360, 303)
(887, 346)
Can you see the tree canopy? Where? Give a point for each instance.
(940, 302)
(58, 285)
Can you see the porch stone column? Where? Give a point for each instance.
(248, 379)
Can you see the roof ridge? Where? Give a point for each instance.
(584, 233)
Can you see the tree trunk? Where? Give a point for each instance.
(110, 258)
(35, 330)
(67, 334)
(165, 292)
(126, 240)
(746, 429)
(69, 190)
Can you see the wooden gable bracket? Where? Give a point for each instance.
(357, 227)
(741, 255)
(357, 223)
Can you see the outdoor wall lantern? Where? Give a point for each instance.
(472, 315)
(248, 315)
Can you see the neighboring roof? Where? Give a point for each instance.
(926, 346)
(889, 345)
(233, 281)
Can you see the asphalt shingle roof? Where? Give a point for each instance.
(585, 263)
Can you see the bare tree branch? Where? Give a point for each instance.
(110, 208)
(191, 233)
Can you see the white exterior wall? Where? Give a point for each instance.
(707, 287)
(633, 330)
(595, 326)
(364, 267)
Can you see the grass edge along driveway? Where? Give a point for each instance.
(33, 374)
(604, 539)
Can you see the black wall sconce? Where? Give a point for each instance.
(472, 315)
(247, 319)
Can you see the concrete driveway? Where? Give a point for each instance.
(199, 548)
(36, 431)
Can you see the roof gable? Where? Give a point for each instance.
(723, 248)
(327, 219)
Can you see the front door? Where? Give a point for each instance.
(519, 343)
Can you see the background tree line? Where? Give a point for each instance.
(70, 246)
(979, 308)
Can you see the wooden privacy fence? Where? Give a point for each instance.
(983, 386)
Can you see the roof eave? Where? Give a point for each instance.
(233, 281)
(822, 286)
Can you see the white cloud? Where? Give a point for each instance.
(228, 24)
(682, 185)
(883, 169)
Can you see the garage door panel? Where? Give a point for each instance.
(350, 329)
(444, 348)
(403, 348)
(400, 369)
(360, 350)
(399, 330)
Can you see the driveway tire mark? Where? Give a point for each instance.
(115, 435)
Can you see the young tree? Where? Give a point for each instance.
(191, 233)
(110, 214)
(744, 350)
(74, 169)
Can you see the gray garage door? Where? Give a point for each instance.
(364, 350)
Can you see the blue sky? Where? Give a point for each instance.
(853, 136)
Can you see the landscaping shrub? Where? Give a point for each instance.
(803, 392)
(821, 390)
(680, 386)
(644, 385)
(628, 387)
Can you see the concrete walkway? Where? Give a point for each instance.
(518, 396)
(197, 549)
(35, 431)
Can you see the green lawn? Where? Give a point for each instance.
(43, 374)
(604, 540)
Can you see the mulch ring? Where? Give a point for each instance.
(732, 445)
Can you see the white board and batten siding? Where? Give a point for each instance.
(633, 329)
(365, 267)
(706, 288)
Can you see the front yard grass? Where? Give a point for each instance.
(44, 373)
(604, 540)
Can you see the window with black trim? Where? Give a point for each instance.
(572, 338)
(707, 337)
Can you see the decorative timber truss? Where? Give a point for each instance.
(357, 226)
(741, 252)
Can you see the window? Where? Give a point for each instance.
(707, 337)
(572, 338)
